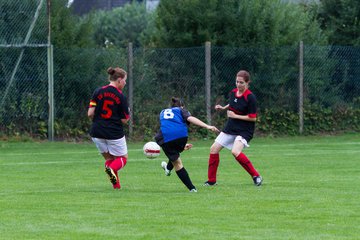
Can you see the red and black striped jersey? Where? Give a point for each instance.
(110, 107)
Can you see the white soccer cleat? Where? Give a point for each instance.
(193, 190)
(164, 166)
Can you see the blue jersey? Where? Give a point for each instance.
(173, 124)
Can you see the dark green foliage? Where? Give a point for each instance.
(259, 36)
(118, 27)
(317, 120)
(341, 19)
(234, 23)
(16, 17)
(69, 30)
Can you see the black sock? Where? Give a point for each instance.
(184, 177)
(170, 166)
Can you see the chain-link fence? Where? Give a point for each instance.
(325, 81)
(23, 67)
(331, 87)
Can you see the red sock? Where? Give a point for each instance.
(108, 162)
(118, 163)
(213, 166)
(247, 165)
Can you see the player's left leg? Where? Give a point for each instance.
(244, 161)
(116, 165)
(183, 175)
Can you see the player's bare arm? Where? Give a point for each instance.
(231, 114)
(200, 123)
(125, 120)
(219, 107)
(91, 112)
(188, 146)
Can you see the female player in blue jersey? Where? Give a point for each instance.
(109, 110)
(238, 130)
(173, 136)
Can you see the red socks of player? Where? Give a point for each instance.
(116, 164)
(213, 166)
(247, 165)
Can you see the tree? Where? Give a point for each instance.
(16, 18)
(119, 26)
(69, 30)
(341, 18)
(234, 23)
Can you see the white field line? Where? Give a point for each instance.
(163, 158)
(284, 146)
(258, 150)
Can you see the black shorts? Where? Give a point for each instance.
(173, 148)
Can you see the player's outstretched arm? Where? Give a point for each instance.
(219, 107)
(200, 123)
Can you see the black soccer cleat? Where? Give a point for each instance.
(111, 174)
(257, 180)
(207, 183)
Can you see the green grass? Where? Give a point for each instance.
(57, 190)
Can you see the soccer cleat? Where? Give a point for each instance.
(164, 166)
(111, 174)
(208, 183)
(193, 190)
(257, 180)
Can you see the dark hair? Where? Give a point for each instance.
(244, 74)
(177, 102)
(115, 73)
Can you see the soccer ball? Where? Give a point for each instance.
(151, 150)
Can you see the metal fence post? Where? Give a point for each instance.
(208, 80)
(50, 93)
(301, 87)
(131, 86)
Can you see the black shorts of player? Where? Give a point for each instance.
(173, 148)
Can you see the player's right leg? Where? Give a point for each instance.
(214, 160)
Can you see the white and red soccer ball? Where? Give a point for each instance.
(151, 150)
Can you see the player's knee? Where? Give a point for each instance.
(235, 153)
(177, 164)
(214, 149)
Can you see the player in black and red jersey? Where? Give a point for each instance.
(109, 110)
(238, 131)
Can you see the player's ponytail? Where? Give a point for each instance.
(177, 102)
(115, 73)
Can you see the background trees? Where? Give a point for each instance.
(235, 23)
(118, 27)
(341, 19)
(260, 36)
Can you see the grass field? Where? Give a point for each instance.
(57, 190)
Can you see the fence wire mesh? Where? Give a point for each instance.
(331, 81)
